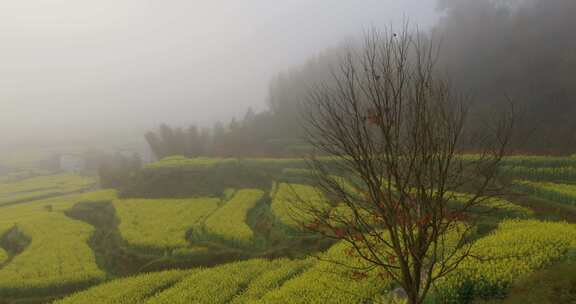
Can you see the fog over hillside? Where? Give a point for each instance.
(79, 70)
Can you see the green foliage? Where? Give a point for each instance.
(128, 290)
(184, 177)
(41, 187)
(229, 222)
(178, 176)
(561, 193)
(516, 249)
(161, 224)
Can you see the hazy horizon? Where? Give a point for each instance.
(78, 70)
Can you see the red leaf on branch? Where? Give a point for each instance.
(339, 232)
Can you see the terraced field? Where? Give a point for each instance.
(59, 256)
(497, 205)
(130, 290)
(288, 198)
(320, 281)
(57, 259)
(230, 221)
(238, 282)
(328, 282)
(161, 224)
(42, 187)
(562, 193)
(514, 251)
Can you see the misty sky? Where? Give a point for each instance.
(70, 67)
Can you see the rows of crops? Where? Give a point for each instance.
(161, 224)
(130, 290)
(535, 161)
(217, 285)
(516, 249)
(253, 281)
(59, 260)
(239, 282)
(541, 173)
(562, 193)
(58, 257)
(329, 282)
(230, 221)
(279, 272)
(42, 187)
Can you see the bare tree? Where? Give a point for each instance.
(394, 127)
